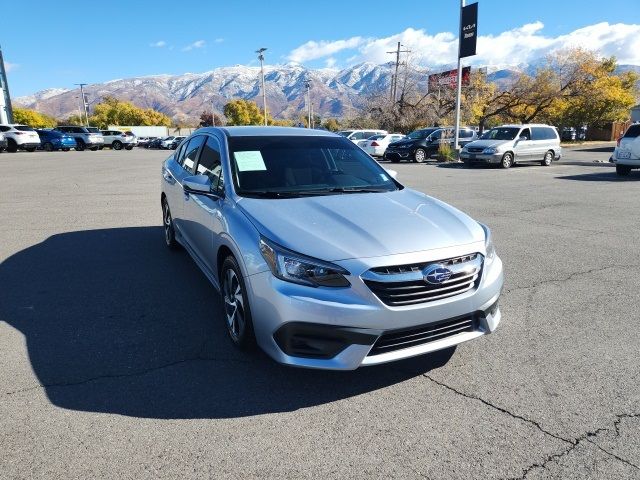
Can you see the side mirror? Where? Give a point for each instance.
(523, 137)
(197, 184)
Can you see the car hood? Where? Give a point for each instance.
(404, 142)
(488, 143)
(358, 225)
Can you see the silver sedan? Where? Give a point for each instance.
(321, 257)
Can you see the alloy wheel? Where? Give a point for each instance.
(233, 304)
(420, 155)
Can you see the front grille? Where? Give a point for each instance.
(402, 285)
(411, 337)
(475, 149)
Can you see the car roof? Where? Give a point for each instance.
(520, 125)
(253, 131)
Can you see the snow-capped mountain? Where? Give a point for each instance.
(334, 92)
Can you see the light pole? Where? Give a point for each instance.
(84, 101)
(260, 53)
(308, 85)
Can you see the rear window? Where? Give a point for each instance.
(93, 130)
(633, 131)
(543, 133)
(24, 128)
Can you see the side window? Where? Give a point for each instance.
(5, 129)
(550, 134)
(210, 164)
(537, 133)
(437, 135)
(191, 153)
(178, 156)
(525, 133)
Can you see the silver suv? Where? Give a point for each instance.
(85, 138)
(627, 153)
(510, 144)
(320, 256)
(20, 137)
(118, 140)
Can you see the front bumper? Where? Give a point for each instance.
(291, 320)
(404, 154)
(481, 157)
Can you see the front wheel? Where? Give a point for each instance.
(167, 224)
(47, 147)
(507, 160)
(420, 155)
(236, 306)
(80, 146)
(623, 170)
(548, 158)
(30, 149)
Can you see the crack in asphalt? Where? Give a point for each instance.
(124, 375)
(572, 443)
(571, 276)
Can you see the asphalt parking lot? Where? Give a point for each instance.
(114, 361)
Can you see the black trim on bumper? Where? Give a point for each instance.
(314, 340)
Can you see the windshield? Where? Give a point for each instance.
(345, 133)
(24, 128)
(290, 166)
(421, 133)
(501, 133)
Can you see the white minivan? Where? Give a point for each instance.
(356, 135)
(510, 144)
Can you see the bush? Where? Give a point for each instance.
(446, 153)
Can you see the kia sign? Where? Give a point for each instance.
(469, 30)
(448, 79)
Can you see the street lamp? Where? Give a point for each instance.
(308, 85)
(84, 101)
(260, 53)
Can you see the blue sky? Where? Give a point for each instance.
(134, 38)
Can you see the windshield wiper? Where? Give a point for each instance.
(355, 190)
(270, 194)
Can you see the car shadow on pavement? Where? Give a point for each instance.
(116, 323)
(611, 176)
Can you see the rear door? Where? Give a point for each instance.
(203, 217)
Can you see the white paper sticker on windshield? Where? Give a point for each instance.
(249, 161)
(384, 177)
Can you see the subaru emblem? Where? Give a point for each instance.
(436, 274)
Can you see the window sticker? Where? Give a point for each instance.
(384, 177)
(249, 161)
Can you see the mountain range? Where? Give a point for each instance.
(334, 92)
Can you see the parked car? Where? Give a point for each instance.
(155, 142)
(85, 137)
(356, 135)
(117, 140)
(3, 142)
(132, 139)
(279, 220)
(20, 137)
(51, 140)
(166, 141)
(627, 153)
(175, 142)
(569, 134)
(421, 144)
(510, 144)
(376, 145)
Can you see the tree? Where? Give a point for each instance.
(112, 111)
(207, 117)
(331, 124)
(32, 118)
(243, 112)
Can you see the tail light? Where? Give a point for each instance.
(375, 144)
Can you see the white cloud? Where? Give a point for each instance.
(219, 40)
(196, 44)
(330, 62)
(8, 66)
(512, 47)
(158, 44)
(313, 50)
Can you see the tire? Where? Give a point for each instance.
(47, 147)
(468, 163)
(623, 170)
(117, 145)
(12, 146)
(65, 149)
(420, 155)
(129, 148)
(167, 224)
(30, 149)
(95, 149)
(507, 160)
(548, 158)
(235, 305)
(80, 146)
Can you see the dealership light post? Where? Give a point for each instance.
(308, 85)
(84, 102)
(260, 53)
(466, 48)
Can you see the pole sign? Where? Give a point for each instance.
(448, 79)
(468, 30)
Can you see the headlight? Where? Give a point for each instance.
(488, 245)
(490, 150)
(297, 268)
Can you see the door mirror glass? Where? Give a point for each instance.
(197, 184)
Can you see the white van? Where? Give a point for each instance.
(357, 135)
(509, 144)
